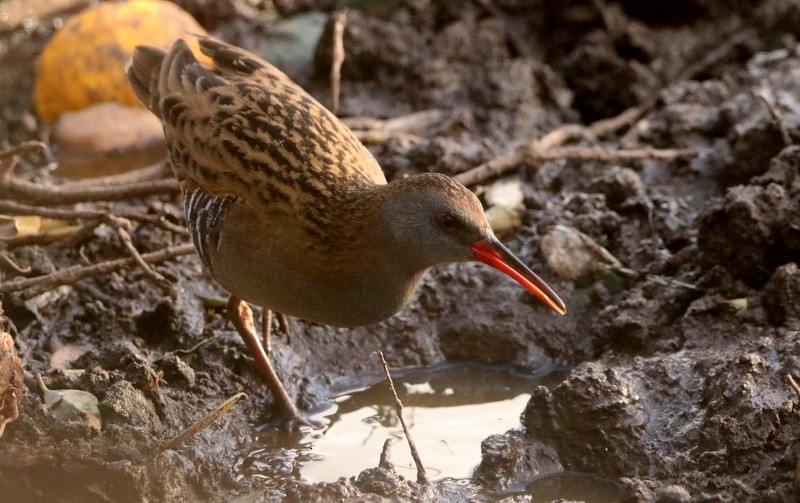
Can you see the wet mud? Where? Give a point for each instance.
(675, 388)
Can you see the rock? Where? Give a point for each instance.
(623, 188)
(781, 296)
(379, 481)
(124, 404)
(512, 460)
(177, 372)
(672, 494)
(745, 231)
(594, 419)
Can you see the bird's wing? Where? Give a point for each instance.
(246, 130)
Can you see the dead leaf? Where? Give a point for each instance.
(72, 405)
(16, 226)
(10, 379)
(19, 229)
(573, 254)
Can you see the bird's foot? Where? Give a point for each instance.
(297, 421)
(242, 317)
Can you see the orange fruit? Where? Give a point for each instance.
(84, 63)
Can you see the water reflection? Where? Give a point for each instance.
(573, 486)
(449, 408)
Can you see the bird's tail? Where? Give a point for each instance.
(143, 73)
(155, 73)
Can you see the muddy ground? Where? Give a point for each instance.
(678, 387)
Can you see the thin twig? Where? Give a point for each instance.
(157, 171)
(8, 264)
(121, 226)
(409, 127)
(536, 153)
(598, 129)
(9, 156)
(32, 193)
(603, 155)
(777, 116)
(40, 284)
(192, 349)
(422, 477)
(793, 384)
(15, 208)
(539, 146)
(201, 424)
(71, 193)
(340, 21)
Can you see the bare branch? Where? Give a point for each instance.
(777, 115)
(203, 423)
(422, 477)
(40, 284)
(14, 208)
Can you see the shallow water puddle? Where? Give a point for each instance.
(572, 486)
(449, 408)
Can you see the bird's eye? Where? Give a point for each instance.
(447, 222)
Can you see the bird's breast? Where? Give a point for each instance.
(272, 262)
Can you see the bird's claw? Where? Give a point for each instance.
(294, 423)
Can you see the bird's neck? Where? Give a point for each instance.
(364, 224)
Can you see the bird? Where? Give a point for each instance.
(290, 212)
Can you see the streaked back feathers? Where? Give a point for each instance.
(246, 130)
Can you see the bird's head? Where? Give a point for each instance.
(434, 220)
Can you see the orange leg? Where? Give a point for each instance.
(266, 328)
(242, 317)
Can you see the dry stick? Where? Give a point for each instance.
(777, 116)
(9, 156)
(8, 264)
(338, 58)
(154, 172)
(40, 284)
(69, 194)
(793, 384)
(598, 129)
(601, 154)
(415, 121)
(121, 226)
(537, 147)
(201, 424)
(384, 462)
(535, 153)
(405, 127)
(14, 208)
(422, 478)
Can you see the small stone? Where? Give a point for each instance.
(106, 127)
(780, 297)
(124, 404)
(177, 372)
(673, 494)
(378, 481)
